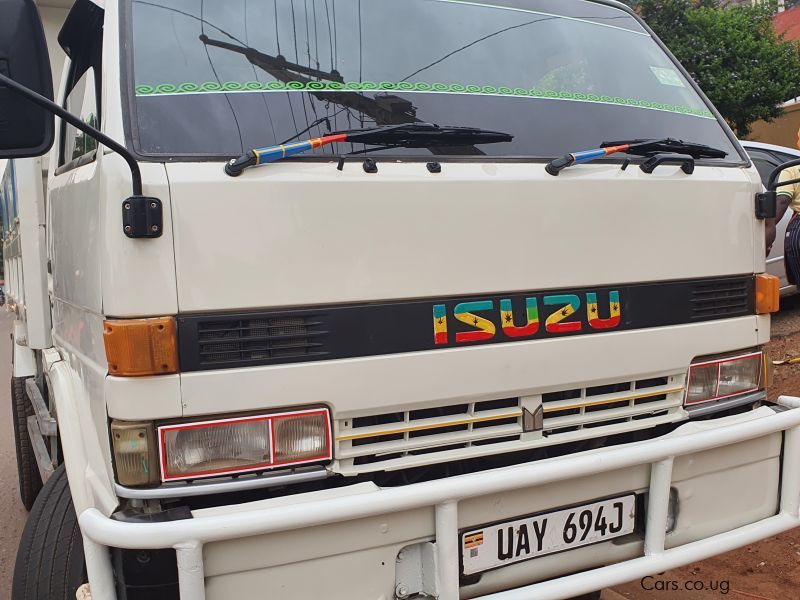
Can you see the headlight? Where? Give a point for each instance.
(717, 379)
(242, 444)
(219, 447)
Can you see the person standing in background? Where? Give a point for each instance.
(788, 197)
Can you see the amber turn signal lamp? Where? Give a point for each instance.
(136, 347)
(768, 293)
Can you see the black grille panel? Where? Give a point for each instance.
(227, 342)
(231, 340)
(719, 299)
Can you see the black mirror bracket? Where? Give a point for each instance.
(142, 217)
(766, 205)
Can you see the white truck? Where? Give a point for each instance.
(433, 349)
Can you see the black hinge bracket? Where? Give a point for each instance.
(142, 217)
(766, 205)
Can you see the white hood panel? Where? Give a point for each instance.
(296, 234)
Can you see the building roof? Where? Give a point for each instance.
(788, 23)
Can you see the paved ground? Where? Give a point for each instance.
(769, 570)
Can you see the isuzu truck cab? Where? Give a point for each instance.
(379, 300)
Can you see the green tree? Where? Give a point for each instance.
(735, 56)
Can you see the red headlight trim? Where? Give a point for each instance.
(327, 454)
(719, 362)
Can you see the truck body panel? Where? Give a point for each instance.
(445, 413)
(472, 229)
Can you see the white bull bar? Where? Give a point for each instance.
(188, 536)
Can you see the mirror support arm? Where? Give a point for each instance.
(51, 106)
(767, 202)
(773, 177)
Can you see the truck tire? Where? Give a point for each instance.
(30, 482)
(50, 563)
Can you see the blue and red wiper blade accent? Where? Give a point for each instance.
(261, 156)
(641, 147)
(408, 135)
(555, 166)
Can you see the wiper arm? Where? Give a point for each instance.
(639, 147)
(646, 147)
(408, 135)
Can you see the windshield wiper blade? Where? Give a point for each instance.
(422, 135)
(638, 147)
(645, 147)
(407, 135)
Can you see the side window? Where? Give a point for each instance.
(81, 38)
(82, 102)
(764, 163)
(783, 157)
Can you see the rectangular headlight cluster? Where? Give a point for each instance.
(219, 447)
(724, 377)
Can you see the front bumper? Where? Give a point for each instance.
(720, 452)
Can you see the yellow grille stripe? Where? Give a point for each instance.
(613, 400)
(359, 436)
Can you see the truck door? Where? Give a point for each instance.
(75, 198)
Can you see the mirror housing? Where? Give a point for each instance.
(25, 128)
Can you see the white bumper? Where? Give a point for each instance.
(456, 502)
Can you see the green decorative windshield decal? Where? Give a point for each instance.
(168, 89)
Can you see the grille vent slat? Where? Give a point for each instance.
(389, 441)
(720, 299)
(390, 436)
(260, 339)
(568, 411)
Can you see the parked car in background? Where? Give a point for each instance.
(766, 157)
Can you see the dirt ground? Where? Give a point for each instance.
(769, 570)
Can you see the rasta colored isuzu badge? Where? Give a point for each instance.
(559, 320)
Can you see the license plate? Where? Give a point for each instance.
(530, 537)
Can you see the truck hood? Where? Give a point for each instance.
(304, 233)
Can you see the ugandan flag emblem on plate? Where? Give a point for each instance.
(473, 540)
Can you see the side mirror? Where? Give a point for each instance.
(26, 129)
(767, 202)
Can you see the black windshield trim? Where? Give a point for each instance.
(357, 159)
(133, 142)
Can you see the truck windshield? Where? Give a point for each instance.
(214, 79)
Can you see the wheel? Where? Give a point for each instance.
(30, 482)
(50, 563)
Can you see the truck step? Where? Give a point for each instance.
(43, 460)
(47, 424)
